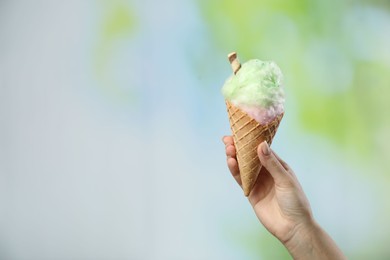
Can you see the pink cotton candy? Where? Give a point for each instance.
(261, 115)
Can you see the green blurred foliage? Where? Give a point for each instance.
(256, 241)
(339, 94)
(117, 24)
(265, 245)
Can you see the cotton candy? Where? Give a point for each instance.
(257, 90)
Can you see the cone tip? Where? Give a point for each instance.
(247, 189)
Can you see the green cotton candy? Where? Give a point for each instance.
(257, 84)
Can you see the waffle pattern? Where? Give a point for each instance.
(247, 135)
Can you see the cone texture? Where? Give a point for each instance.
(247, 135)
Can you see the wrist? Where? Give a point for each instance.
(310, 241)
(302, 237)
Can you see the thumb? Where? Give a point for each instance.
(271, 163)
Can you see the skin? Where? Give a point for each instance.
(282, 207)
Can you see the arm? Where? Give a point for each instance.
(282, 207)
(312, 242)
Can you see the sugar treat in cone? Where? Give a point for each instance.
(255, 104)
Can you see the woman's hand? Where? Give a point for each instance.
(281, 205)
(277, 197)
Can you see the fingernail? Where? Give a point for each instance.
(265, 148)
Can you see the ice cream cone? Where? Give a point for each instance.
(247, 135)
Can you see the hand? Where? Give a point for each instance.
(277, 197)
(282, 207)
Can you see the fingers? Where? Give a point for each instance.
(233, 167)
(231, 158)
(227, 140)
(271, 163)
(229, 146)
(230, 151)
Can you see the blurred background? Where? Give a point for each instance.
(111, 120)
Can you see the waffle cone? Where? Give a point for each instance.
(247, 135)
